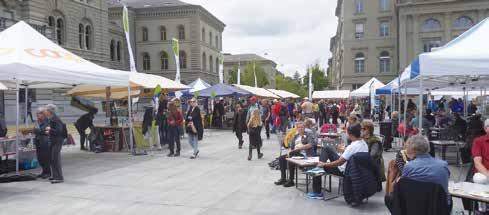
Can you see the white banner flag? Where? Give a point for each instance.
(176, 53)
(221, 68)
(310, 84)
(125, 23)
(239, 73)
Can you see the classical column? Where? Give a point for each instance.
(415, 38)
(448, 28)
(402, 42)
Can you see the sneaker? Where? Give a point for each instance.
(177, 154)
(289, 184)
(280, 182)
(170, 154)
(260, 156)
(314, 195)
(192, 157)
(56, 181)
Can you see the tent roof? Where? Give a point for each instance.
(260, 92)
(28, 56)
(284, 94)
(198, 84)
(221, 90)
(331, 94)
(369, 87)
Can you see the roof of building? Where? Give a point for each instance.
(146, 3)
(228, 58)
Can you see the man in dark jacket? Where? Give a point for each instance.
(56, 132)
(84, 122)
(361, 180)
(239, 123)
(42, 144)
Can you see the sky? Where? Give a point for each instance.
(293, 33)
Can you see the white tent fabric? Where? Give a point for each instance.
(260, 92)
(28, 56)
(284, 94)
(368, 88)
(331, 94)
(198, 85)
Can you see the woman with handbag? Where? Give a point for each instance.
(194, 127)
(174, 120)
(254, 128)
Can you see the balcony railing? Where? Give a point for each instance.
(43, 29)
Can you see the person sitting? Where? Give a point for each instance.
(302, 144)
(480, 154)
(375, 147)
(335, 164)
(460, 126)
(475, 128)
(426, 124)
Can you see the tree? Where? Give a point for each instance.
(319, 80)
(247, 75)
(290, 84)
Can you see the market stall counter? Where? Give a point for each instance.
(113, 138)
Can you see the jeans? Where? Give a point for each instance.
(56, 171)
(239, 135)
(267, 128)
(327, 153)
(174, 138)
(163, 134)
(43, 156)
(83, 137)
(193, 141)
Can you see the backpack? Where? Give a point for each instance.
(283, 111)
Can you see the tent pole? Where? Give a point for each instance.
(420, 117)
(405, 109)
(17, 133)
(129, 116)
(466, 96)
(26, 102)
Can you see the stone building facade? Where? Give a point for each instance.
(381, 38)
(232, 62)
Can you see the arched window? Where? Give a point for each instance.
(204, 62)
(60, 25)
(217, 65)
(183, 60)
(112, 50)
(359, 6)
(146, 62)
(88, 37)
(217, 41)
(203, 35)
(359, 63)
(384, 5)
(463, 22)
(119, 51)
(162, 33)
(81, 35)
(210, 38)
(181, 32)
(145, 34)
(164, 60)
(431, 25)
(211, 64)
(51, 21)
(384, 62)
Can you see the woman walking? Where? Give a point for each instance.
(194, 127)
(175, 120)
(254, 128)
(239, 124)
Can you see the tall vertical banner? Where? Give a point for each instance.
(254, 74)
(239, 73)
(176, 53)
(310, 84)
(221, 68)
(125, 23)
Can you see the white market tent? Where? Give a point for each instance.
(198, 85)
(284, 94)
(331, 94)
(368, 88)
(260, 92)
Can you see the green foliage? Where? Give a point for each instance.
(319, 79)
(247, 75)
(290, 84)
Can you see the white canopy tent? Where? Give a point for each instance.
(284, 94)
(368, 88)
(198, 85)
(260, 92)
(331, 94)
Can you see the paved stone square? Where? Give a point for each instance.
(220, 181)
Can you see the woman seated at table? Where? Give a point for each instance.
(302, 144)
(375, 147)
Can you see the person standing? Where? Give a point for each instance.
(195, 129)
(56, 132)
(251, 108)
(219, 113)
(239, 124)
(84, 122)
(307, 108)
(315, 111)
(254, 130)
(175, 120)
(266, 116)
(161, 119)
(41, 143)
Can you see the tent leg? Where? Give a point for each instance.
(129, 109)
(26, 102)
(420, 117)
(17, 133)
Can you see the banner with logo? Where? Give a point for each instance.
(176, 53)
(221, 68)
(125, 23)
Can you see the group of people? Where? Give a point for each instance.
(50, 132)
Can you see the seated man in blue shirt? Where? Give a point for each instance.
(424, 167)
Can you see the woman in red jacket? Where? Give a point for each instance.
(175, 120)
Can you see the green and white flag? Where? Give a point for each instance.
(176, 53)
(125, 23)
(310, 85)
(221, 68)
(239, 73)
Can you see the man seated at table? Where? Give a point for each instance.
(480, 153)
(301, 145)
(335, 164)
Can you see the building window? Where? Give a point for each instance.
(183, 60)
(60, 31)
(211, 64)
(181, 32)
(112, 50)
(431, 25)
(359, 63)
(384, 5)
(210, 38)
(429, 44)
(145, 34)
(217, 65)
(88, 37)
(119, 51)
(463, 22)
(359, 6)
(217, 41)
(204, 62)
(359, 31)
(51, 21)
(384, 29)
(81, 35)
(146, 62)
(355, 86)
(384, 62)
(203, 35)
(164, 60)
(162, 33)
